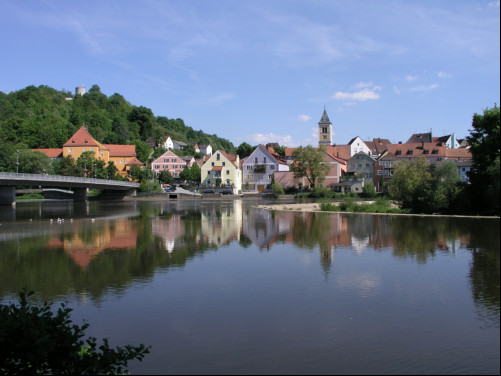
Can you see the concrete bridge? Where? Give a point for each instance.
(79, 186)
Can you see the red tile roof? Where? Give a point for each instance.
(82, 138)
(461, 153)
(217, 169)
(135, 161)
(51, 153)
(121, 150)
(231, 157)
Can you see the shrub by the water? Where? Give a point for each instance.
(35, 340)
(327, 205)
(31, 196)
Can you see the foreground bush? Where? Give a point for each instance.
(380, 205)
(34, 340)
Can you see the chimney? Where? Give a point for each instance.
(422, 144)
(400, 142)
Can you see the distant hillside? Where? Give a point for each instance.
(41, 117)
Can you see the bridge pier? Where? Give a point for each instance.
(7, 195)
(80, 194)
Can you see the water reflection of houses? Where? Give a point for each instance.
(222, 223)
(85, 242)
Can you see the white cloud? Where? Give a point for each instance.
(304, 118)
(424, 88)
(375, 88)
(259, 138)
(494, 4)
(444, 75)
(361, 85)
(396, 90)
(361, 95)
(411, 78)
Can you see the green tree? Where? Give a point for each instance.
(369, 190)
(484, 143)
(158, 134)
(143, 151)
(68, 167)
(244, 150)
(166, 177)
(159, 152)
(280, 150)
(309, 162)
(96, 168)
(35, 340)
(189, 150)
(111, 170)
(277, 189)
(196, 173)
(34, 162)
(186, 173)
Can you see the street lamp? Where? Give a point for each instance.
(17, 161)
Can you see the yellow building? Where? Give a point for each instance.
(223, 168)
(124, 156)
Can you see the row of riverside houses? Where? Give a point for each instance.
(351, 166)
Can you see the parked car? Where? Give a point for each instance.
(226, 192)
(209, 191)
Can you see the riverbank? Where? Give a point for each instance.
(315, 208)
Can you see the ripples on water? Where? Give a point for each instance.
(225, 288)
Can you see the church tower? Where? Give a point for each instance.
(325, 130)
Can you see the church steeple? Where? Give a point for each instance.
(325, 130)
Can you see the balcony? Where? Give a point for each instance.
(260, 169)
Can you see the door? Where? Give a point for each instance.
(260, 188)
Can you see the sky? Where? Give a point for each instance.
(262, 71)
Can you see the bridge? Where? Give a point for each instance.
(79, 186)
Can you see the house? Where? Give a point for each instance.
(357, 145)
(384, 169)
(433, 152)
(168, 143)
(362, 165)
(151, 142)
(450, 141)
(123, 156)
(273, 145)
(333, 178)
(179, 145)
(259, 167)
(197, 148)
(223, 169)
(377, 146)
(417, 138)
(189, 160)
(464, 168)
(53, 154)
(205, 149)
(168, 162)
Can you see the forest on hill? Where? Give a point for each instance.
(42, 117)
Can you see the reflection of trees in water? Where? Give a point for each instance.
(485, 270)
(314, 229)
(422, 237)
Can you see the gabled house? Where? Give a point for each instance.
(168, 162)
(179, 145)
(197, 148)
(377, 146)
(384, 169)
(151, 142)
(259, 167)
(450, 141)
(418, 138)
(223, 169)
(358, 145)
(189, 160)
(361, 165)
(205, 149)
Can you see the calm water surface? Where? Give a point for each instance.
(226, 288)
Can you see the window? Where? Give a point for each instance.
(272, 167)
(92, 149)
(157, 167)
(174, 174)
(355, 150)
(227, 172)
(166, 160)
(464, 169)
(264, 159)
(368, 176)
(174, 160)
(324, 130)
(380, 172)
(249, 177)
(386, 173)
(208, 181)
(352, 166)
(85, 150)
(249, 167)
(218, 157)
(208, 172)
(386, 164)
(360, 165)
(212, 164)
(367, 165)
(121, 162)
(426, 151)
(224, 164)
(255, 160)
(71, 151)
(381, 163)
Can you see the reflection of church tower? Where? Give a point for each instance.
(325, 130)
(326, 260)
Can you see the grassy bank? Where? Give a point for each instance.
(30, 196)
(380, 205)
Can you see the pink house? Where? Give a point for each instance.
(168, 162)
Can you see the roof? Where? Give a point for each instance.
(150, 140)
(461, 153)
(325, 118)
(387, 155)
(51, 153)
(352, 140)
(417, 149)
(82, 138)
(202, 146)
(187, 158)
(217, 168)
(378, 145)
(231, 157)
(169, 154)
(121, 150)
(181, 143)
(341, 152)
(420, 137)
(134, 161)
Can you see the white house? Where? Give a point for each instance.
(206, 149)
(357, 145)
(168, 144)
(259, 167)
(179, 145)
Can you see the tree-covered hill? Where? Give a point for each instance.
(42, 117)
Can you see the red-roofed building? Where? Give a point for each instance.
(168, 162)
(54, 154)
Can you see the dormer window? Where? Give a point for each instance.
(426, 151)
(218, 157)
(72, 141)
(434, 151)
(86, 141)
(410, 152)
(399, 152)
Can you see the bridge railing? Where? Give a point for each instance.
(69, 179)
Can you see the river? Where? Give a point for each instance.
(222, 287)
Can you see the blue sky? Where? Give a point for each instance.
(262, 71)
